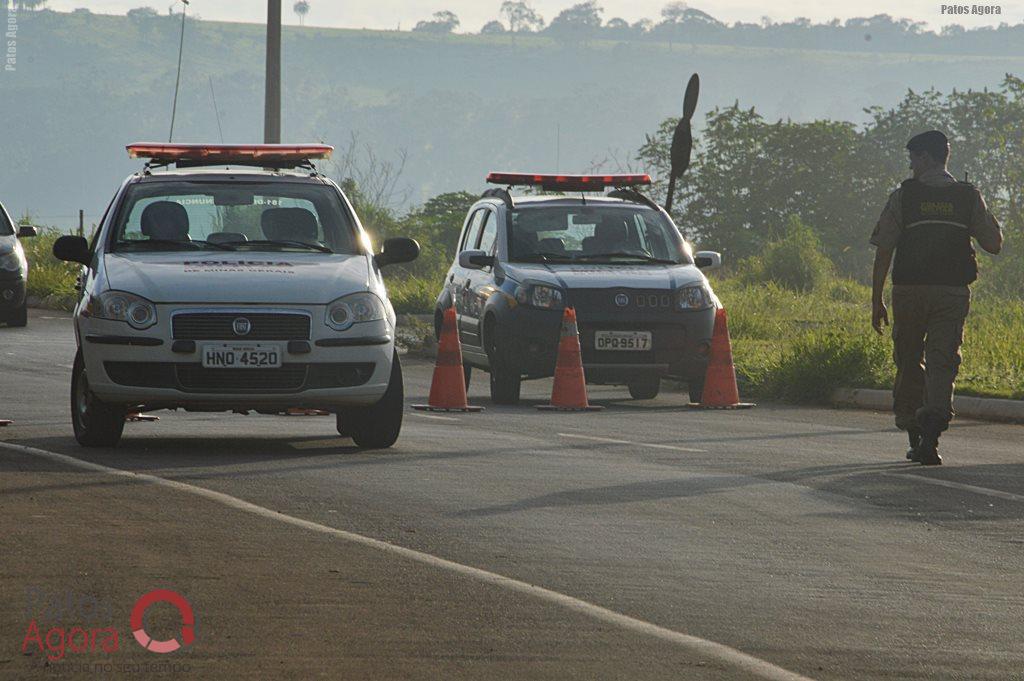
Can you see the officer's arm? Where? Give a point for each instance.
(985, 228)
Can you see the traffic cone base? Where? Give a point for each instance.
(448, 385)
(427, 407)
(551, 407)
(569, 392)
(720, 389)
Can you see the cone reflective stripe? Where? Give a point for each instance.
(569, 392)
(720, 389)
(448, 386)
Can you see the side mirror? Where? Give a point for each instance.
(72, 249)
(475, 260)
(25, 231)
(398, 250)
(708, 260)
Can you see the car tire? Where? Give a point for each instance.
(506, 380)
(646, 389)
(19, 318)
(696, 390)
(96, 423)
(377, 426)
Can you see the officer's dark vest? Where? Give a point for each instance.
(935, 243)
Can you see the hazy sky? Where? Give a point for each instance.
(389, 14)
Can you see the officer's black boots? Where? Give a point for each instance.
(927, 450)
(914, 436)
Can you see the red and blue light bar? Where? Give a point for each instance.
(571, 183)
(230, 154)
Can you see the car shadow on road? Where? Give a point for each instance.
(695, 485)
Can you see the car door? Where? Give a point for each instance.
(458, 278)
(480, 283)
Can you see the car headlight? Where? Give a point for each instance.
(539, 295)
(12, 262)
(352, 309)
(120, 306)
(694, 298)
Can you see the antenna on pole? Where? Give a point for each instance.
(177, 82)
(216, 112)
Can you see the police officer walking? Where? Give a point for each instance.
(929, 223)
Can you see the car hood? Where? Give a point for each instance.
(573, 276)
(281, 278)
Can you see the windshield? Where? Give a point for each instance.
(249, 216)
(5, 223)
(596, 233)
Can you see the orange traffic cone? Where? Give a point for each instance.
(569, 392)
(720, 390)
(448, 387)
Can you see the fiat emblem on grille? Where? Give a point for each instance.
(622, 300)
(241, 326)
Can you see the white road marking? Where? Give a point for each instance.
(650, 445)
(436, 418)
(694, 644)
(998, 494)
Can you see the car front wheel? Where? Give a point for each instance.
(377, 426)
(646, 389)
(506, 379)
(96, 423)
(19, 317)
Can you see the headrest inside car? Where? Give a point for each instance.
(165, 220)
(610, 230)
(289, 224)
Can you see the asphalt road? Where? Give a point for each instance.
(643, 541)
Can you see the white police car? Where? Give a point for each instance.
(644, 307)
(13, 271)
(244, 288)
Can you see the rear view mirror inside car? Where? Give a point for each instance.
(234, 198)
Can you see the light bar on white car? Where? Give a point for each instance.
(574, 183)
(267, 155)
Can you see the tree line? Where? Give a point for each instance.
(681, 23)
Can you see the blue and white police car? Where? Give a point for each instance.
(239, 280)
(644, 306)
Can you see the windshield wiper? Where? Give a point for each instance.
(544, 257)
(282, 242)
(626, 254)
(196, 245)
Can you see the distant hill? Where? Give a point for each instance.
(87, 84)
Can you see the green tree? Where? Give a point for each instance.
(582, 19)
(301, 8)
(520, 16)
(442, 22)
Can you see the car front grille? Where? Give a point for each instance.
(194, 378)
(609, 300)
(264, 326)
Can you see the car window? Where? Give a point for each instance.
(6, 229)
(250, 216)
(488, 233)
(594, 233)
(472, 230)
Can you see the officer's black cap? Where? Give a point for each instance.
(934, 143)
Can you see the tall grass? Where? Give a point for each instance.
(50, 281)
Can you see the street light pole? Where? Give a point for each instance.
(272, 112)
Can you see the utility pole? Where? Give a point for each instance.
(272, 112)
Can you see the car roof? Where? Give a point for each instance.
(226, 174)
(566, 200)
